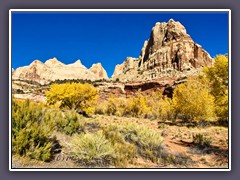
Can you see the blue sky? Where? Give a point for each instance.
(106, 37)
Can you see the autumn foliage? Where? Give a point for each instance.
(73, 96)
(193, 100)
(218, 78)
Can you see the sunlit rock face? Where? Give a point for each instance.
(53, 70)
(99, 71)
(169, 52)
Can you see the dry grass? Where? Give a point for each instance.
(177, 139)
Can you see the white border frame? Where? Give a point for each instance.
(117, 10)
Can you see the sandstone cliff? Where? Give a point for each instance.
(169, 52)
(53, 70)
(98, 70)
(126, 70)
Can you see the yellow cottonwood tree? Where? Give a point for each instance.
(165, 110)
(218, 77)
(76, 96)
(193, 100)
(137, 106)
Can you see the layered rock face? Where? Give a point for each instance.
(127, 70)
(169, 52)
(53, 70)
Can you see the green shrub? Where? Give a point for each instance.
(201, 140)
(149, 143)
(124, 151)
(68, 123)
(30, 133)
(92, 149)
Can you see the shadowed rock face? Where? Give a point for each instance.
(169, 52)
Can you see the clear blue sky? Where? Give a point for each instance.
(106, 37)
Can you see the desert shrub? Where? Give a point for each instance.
(125, 154)
(166, 110)
(177, 159)
(133, 106)
(121, 106)
(30, 133)
(146, 106)
(202, 140)
(193, 100)
(111, 106)
(19, 91)
(149, 143)
(124, 151)
(92, 149)
(144, 136)
(69, 123)
(91, 125)
(74, 96)
(101, 107)
(137, 106)
(116, 106)
(153, 104)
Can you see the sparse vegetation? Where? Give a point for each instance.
(201, 140)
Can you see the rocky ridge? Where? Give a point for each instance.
(166, 59)
(169, 52)
(53, 70)
(99, 71)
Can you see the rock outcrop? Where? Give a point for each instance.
(126, 70)
(54, 63)
(98, 70)
(169, 52)
(77, 64)
(53, 70)
(37, 71)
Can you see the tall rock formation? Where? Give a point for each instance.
(98, 70)
(169, 52)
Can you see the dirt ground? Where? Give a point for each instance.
(178, 139)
